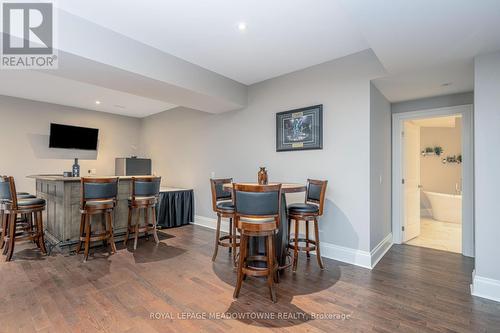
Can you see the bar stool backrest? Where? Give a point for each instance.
(98, 189)
(316, 190)
(257, 201)
(8, 191)
(145, 187)
(218, 191)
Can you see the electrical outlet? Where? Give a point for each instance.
(212, 174)
(92, 172)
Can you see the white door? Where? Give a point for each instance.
(411, 174)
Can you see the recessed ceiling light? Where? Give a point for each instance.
(446, 84)
(242, 26)
(97, 102)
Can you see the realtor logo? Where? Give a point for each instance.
(28, 36)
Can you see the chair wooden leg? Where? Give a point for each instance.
(230, 234)
(316, 236)
(146, 219)
(39, 227)
(111, 239)
(129, 225)
(217, 236)
(270, 266)
(87, 237)
(6, 233)
(243, 254)
(82, 230)
(2, 232)
(137, 221)
(12, 236)
(296, 246)
(234, 239)
(307, 239)
(289, 230)
(155, 233)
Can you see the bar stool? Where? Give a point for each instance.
(14, 229)
(144, 195)
(222, 205)
(257, 214)
(98, 197)
(310, 210)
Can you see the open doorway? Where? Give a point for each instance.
(433, 179)
(433, 182)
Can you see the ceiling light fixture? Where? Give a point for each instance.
(97, 102)
(446, 84)
(242, 26)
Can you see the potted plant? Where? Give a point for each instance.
(438, 150)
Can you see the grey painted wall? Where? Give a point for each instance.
(188, 145)
(25, 140)
(380, 167)
(433, 102)
(487, 164)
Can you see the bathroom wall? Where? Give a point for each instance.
(434, 175)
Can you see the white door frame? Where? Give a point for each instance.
(466, 111)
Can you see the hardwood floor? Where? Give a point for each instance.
(156, 288)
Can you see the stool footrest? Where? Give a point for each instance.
(291, 244)
(225, 241)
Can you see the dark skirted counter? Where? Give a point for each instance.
(62, 214)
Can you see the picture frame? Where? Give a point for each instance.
(300, 129)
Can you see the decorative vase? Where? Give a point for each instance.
(76, 169)
(262, 176)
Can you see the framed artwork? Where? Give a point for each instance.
(300, 129)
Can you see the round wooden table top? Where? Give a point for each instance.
(285, 187)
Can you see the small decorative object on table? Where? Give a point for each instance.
(262, 176)
(76, 169)
(300, 129)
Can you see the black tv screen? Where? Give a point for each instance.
(73, 137)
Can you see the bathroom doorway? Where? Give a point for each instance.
(432, 179)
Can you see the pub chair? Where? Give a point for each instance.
(144, 196)
(308, 211)
(98, 197)
(223, 206)
(30, 227)
(257, 214)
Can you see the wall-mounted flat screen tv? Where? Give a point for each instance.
(73, 137)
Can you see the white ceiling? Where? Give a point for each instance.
(52, 89)
(282, 35)
(191, 53)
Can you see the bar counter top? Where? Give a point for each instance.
(74, 179)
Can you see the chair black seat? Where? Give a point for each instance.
(30, 202)
(299, 208)
(226, 206)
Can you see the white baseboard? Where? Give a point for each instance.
(485, 287)
(336, 252)
(380, 250)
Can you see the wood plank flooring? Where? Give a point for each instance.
(161, 288)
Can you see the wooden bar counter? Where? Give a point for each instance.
(62, 214)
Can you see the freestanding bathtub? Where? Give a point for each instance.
(445, 207)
